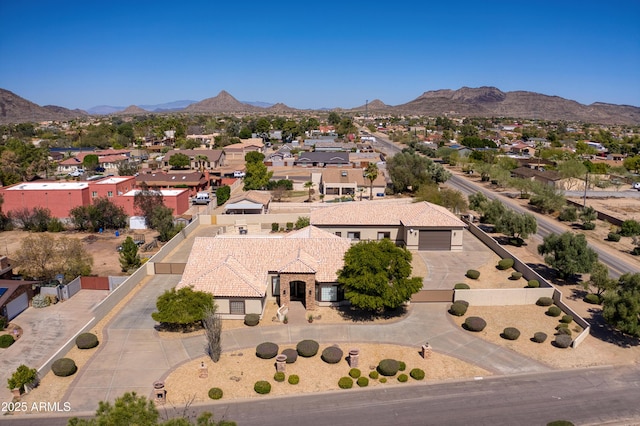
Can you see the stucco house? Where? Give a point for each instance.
(250, 202)
(339, 181)
(322, 159)
(199, 159)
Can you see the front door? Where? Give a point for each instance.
(296, 290)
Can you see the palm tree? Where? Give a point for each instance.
(202, 159)
(371, 173)
(309, 185)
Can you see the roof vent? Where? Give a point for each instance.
(344, 173)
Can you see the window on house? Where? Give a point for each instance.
(383, 235)
(329, 293)
(94, 194)
(109, 193)
(236, 307)
(353, 236)
(275, 286)
(339, 234)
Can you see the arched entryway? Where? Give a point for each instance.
(297, 290)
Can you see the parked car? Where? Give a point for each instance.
(100, 169)
(238, 174)
(636, 185)
(77, 173)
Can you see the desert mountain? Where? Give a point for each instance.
(223, 102)
(14, 109)
(280, 107)
(132, 110)
(374, 105)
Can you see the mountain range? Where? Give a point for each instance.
(464, 102)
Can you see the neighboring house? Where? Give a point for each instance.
(416, 226)
(193, 181)
(199, 159)
(363, 159)
(313, 141)
(109, 159)
(237, 151)
(322, 159)
(242, 272)
(250, 202)
(15, 295)
(547, 177)
(330, 146)
(335, 181)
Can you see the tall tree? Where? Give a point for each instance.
(90, 162)
(257, 176)
(309, 185)
(213, 332)
(129, 257)
(622, 307)
(409, 170)
(568, 254)
(179, 161)
(517, 225)
(371, 173)
(146, 201)
(600, 280)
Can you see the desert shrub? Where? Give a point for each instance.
(291, 354)
(462, 302)
(307, 348)
(593, 299)
(275, 227)
(52, 299)
(215, 393)
(505, 263)
(388, 367)
(403, 378)
(475, 324)
(562, 325)
(630, 228)
(472, 274)
(461, 286)
(355, 373)
(566, 319)
(373, 374)
(457, 309)
(554, 311)
(562, 341)
(289, 226)
(533, 284)
(279, 376)
(564, 330)
(64, 367)
(560, 423)
(3, 323)
(417, 373)
(539, 337)
(294, 379)
(267, 350)
(516, 276)
(40, 301)
(345, 382)
(612, 236)
(262, 387)
(363, 382)
(251, 319)
(510, 333)
(383, 380)
(589, 226)
(568, 214)
(87, 341)
(6, 340)
(332, 355)
(402, 366)
(544, 301)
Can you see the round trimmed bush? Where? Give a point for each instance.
(511, 333)
(562, 325)
(292, 355)
(332, 355)
(554, 311)
(388, 367)
(564, 330)
(403, 378)
(402, 366)
(307, 348)
(417, 373)
(515, 276)
(87, 341)
(566, 319)
(539, 337)
(262, 387)
(589, 226)
(267, 350)
(563, 341)
(345, 382)
(612, 236)
(592, 299)
(475, 324)
(461, 286)
(373, 374)
(533, 284)
(363, 382)
(355, 373)
(544, 301)
(462, 302)
(294, 379)
(251, 319)
(215, 393)
(6, 340)
(279, 376)
(473, 274)
(383, 380)
(505, 263)
(64, 367)
(458, 309)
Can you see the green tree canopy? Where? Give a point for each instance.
(257, 176)
(371, 173)
(622, 307)
(183, 308)
(409, 171)
(90, 162)
(517, 225)
(129, 257)
(179, 161)
(146, 201)
(376, 274)
(568, 254)
(253, 157)
(101, 214)
(599, 280)
(446, 197)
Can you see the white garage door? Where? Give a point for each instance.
(17, 305)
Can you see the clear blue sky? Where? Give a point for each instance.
(79, 54)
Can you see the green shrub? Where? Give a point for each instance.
(262, 387)
(562, 341)
(267, 350)
(294, 379)
(6, 340)
(402, 366)
(562, 325)
(475, 324)
(544, 301)
(355, 373)
(630, 228)
(292, 355)
(568, 214)
(251, 319)
(539, 337)
(564, 330)
(363, 382)
(373, 375)
(215, 393)
(461, 286)
(533, 284)
(332, 355)
(554, 311)
(307, 348)
(462, 302)
(505, 263)
(473, 274)
(275, 227)
(560, 423)
(388, 367)
(515, 276)
(21, 377)
(64, 367)
(592, 299)
(345, 382)
(589, 226)
(403, 378)
(3, 323)
(87, 341)
(612, 236)
(279, 376)
(417, 373)
(289, 226)
(383, 380)
(40, 301)
(457, 309)
(510, 333)
(566, 319)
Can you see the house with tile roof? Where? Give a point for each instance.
(199, 159)
(322, 159)
(349, 181)
(250, 202)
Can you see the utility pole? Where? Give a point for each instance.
(366, 109)
(586, 185)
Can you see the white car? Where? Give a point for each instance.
(239, 174)
(77, 173)
(636, 185)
